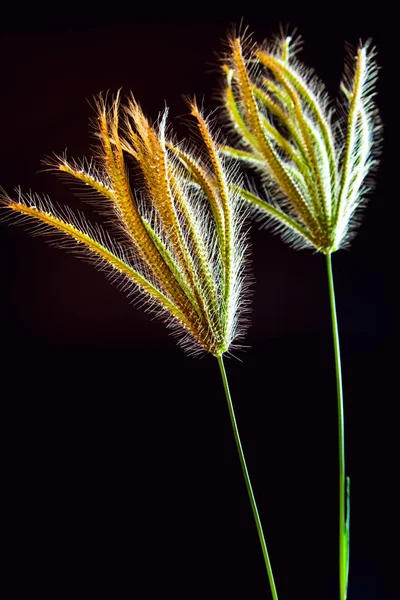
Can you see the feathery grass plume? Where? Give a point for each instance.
(314, 160)
(177, 241)
(314, 164)
(168, 246)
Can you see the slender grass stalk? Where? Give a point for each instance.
(178, 244)
(344, 520)
(247, 479)
(314, 163)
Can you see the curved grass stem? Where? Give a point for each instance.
(344, 484)
(247, 480)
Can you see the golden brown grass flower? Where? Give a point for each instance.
(313, 158)
(179, 243)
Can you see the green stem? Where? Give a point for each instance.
(343, 492)
(247, 479)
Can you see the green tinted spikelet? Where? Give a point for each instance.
(313, 162)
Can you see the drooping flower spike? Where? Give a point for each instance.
(313, 160)
(178, 243)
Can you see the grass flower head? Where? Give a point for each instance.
(178, 243)
(313, 158)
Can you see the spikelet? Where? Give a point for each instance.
(312, 160)
(179, 243)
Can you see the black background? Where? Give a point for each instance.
(120, 473)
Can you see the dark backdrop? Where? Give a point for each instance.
(120, 473)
